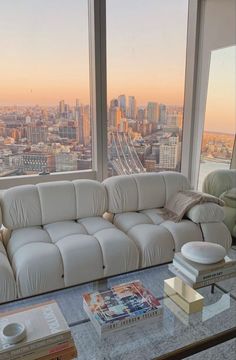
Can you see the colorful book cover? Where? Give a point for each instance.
(125, 301)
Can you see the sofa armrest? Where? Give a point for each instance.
(206, 213)
(8, 289)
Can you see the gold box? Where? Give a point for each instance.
(183, 295)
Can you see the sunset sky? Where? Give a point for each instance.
(45, 55)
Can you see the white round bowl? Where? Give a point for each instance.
(203, 252)
(13, 333)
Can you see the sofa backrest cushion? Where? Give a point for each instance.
(143, 191)
(91, 198)
(174, 182)
(57, 200)
(21, 207)
(32, 205)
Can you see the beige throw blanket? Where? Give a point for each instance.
(183, 201)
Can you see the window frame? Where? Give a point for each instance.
(98, 99)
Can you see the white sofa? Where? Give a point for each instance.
(135, 201)
(59, 237)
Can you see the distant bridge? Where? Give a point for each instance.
(123, 156)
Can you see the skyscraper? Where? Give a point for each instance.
(152, 112)
(122, 103)
(162, 114)
(132, 107)
(61, 107)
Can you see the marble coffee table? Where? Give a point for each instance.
(172, 335)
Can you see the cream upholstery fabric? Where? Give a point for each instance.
(61, 229)
(120, 254)
(59, 237)
(127, 220)
(21, 207)
(146, 233)
(155, 243)
(151, 190)
(22, 237)
(91, 198)
(38, 268)
(57, 200)
(183, 232)
(217, 233)
(81, 257)
(95, 224)
(8, 289)
(143, 191)
(122, 193)
(208, 212)
(174, 182)
(66, 253)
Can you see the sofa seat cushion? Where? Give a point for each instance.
(61, 229)
(183, 232)
(120, 253)
(68, 252)
(155, 244)
(38, 268)
(128, 220)
(81, 257)
(94, 224)
(7, 281)
(156, 238)
(21, 237)
(154, 215)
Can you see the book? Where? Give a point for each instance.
(121, 306)
(45, 327)
(206, 274)
(196, 285)
(67, 354)
(49, 351)
(200, 269)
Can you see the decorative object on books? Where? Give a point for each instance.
(48, 336)
(13, 333)
(199, 275)
(183, 295)
(203, 252)
(120, 307)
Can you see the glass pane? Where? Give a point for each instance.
(220, 117)
(146, 47)
(44, 87)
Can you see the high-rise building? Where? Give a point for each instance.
(61, 107)
(86, 126)
(122, 104)
(162, 114)
(169, 151)
(152, 112)
(172, 119)
(36, 134)
(132, 107)
(115, 117)
(141, 113)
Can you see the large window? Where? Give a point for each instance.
(45, 123)
(220, 124)
(146, 49)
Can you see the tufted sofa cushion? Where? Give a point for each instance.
(136, 200)
(59, 237)
(143, 191)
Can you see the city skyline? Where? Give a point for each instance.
(144, 59)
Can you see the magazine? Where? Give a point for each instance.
(121, 306)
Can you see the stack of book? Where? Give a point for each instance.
(121, 306)
(200, 275)
(48, 336)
